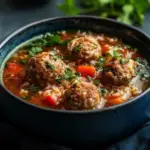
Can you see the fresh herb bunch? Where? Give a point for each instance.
(127, 11)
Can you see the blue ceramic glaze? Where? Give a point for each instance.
(76, 127)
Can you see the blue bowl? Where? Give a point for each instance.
(76, 127)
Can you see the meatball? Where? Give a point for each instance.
(117, 73)
(82, 95)
(85, 48)
(43, 69)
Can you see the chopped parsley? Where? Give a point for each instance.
(23, 61)
(89, 78)
(116, 54)
(34, 50)
(68, 75)
(77, 48)
(64, 43)
(49, 65)
(96, 82)
(124, 60)
(100, 62)
(47, 40)
(102, 91)
(55, 57)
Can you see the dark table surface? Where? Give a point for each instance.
(13, 17)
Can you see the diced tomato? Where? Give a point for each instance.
(105, 48)
(49, 100)
(114, 100)
(87, 70)
(14, 67)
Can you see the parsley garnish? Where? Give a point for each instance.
(124, 60)
(96, 82)
(116, 54)
(49, 65)
(64, 43)
(102, 91)
(55, 57)
(23, 61)
(68, 75)
(47, 40)
(100, 62)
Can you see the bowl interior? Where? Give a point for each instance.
(129, 34)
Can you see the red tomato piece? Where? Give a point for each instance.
(105, 48)
(87, 70)
(14, 67)
(49, 100)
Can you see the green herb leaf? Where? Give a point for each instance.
(69, 8)
(96, 82)
(77, 48)
(31, 53)
(52, 67)
(102, 91)
(124, 60)
(64, 43)
(89, 78)
(55, 39)
(116, 54)
(23, 61)
(100, 62)
(127, 11)
(68, 75)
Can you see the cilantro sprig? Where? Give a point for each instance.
(68, 75)
(100, 62)
(126, 11)
(47, 40)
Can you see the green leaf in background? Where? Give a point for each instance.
(69, 7)
(125, 17)
(127, 11)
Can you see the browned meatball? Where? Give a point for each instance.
(117, 73)
(85, 48)
(82, 95)
(43, 69)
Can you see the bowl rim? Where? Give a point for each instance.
(105, 109)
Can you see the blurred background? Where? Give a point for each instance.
(17, 13)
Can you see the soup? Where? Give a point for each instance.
(76, 70)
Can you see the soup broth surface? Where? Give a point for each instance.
(76, 70)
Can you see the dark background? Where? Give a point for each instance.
(17, 13)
